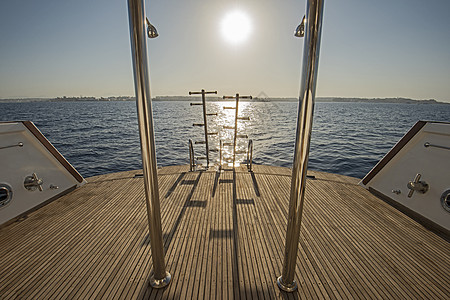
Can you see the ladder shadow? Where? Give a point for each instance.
(233, 233)
(175, 184)
(168, 237)
(255, 184)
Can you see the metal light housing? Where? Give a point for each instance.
(300, 30)
(151, 30)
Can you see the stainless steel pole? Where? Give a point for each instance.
(160, 277)
(205, 127)
(236, 114)
(311, 49)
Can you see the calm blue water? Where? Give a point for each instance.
(102, 137)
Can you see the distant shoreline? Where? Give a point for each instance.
(215, 99)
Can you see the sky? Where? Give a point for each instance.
(370, 49)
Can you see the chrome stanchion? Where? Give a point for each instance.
(160, 277)
(314, 13)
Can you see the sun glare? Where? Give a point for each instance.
(236, 27)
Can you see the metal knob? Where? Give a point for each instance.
(32, 183)
(417, 185)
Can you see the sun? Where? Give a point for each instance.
(236, 27)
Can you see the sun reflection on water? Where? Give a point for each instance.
(226, 118)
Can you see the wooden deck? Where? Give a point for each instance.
(224, 238)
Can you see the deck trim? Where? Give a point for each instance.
(436, 228)
(43, 140)
(393, 152)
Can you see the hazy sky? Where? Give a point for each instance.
(383, 48)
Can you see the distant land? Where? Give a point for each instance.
(255, 99)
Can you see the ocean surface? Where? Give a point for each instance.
(102, 137)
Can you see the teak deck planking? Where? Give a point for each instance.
(224, 235)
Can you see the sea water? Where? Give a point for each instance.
(103, 137)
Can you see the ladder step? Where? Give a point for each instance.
(200, 142)
(244, 118)
(242, 136)
(192, 104)
(228, 159)
(240, 152)
(200, 157)
(212, 114)
(213, 133)
(228, 107)
(228, 144)
(228, 127)
(202, 92)
(214, 150)
(197, 124)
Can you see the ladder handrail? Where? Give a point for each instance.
(250, 155)
(191, 156)
(220, 154)
(236, 118)
(205, 121)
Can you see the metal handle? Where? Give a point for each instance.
(417, 185)
(250, 155)
(220, 154)
(426, 145)
(11, 146)
(32, 183)
(191, 156)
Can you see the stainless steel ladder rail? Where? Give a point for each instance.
(205, 123)
(236, 118)
(250, 155)
(192, 164)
